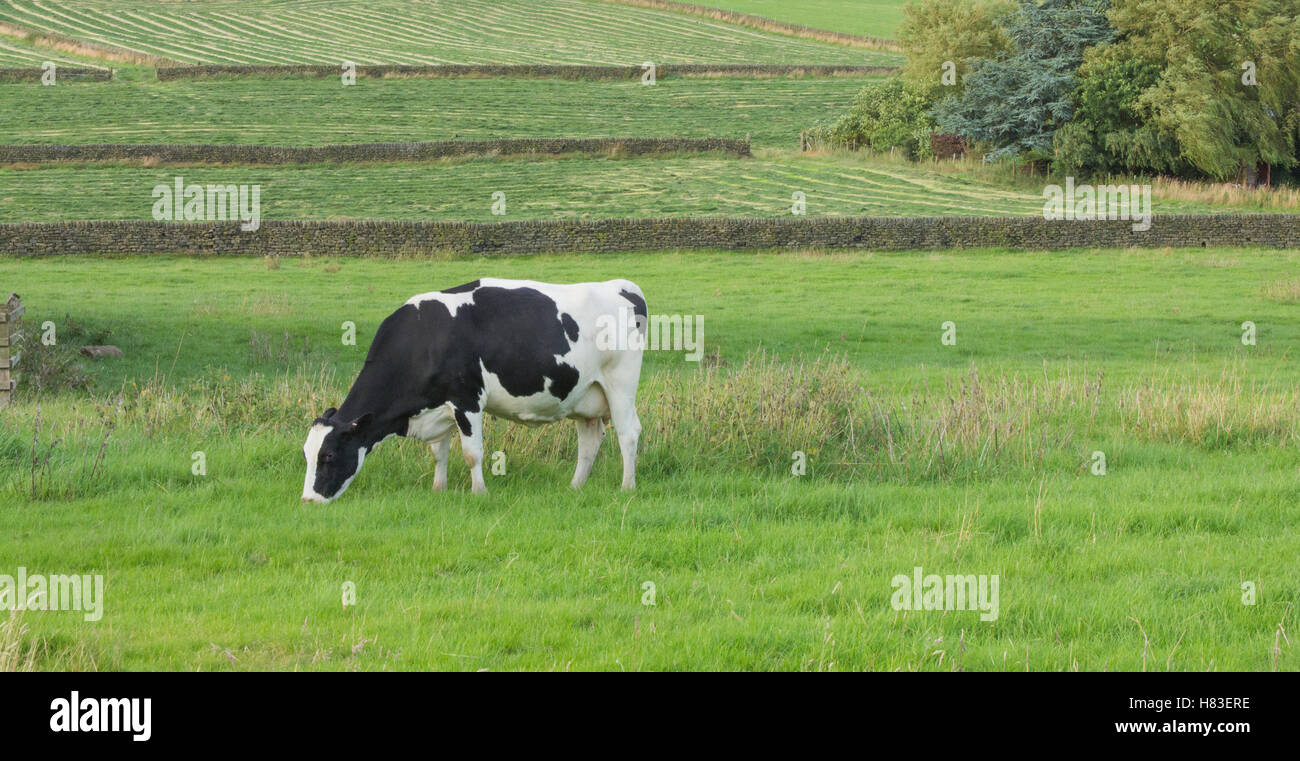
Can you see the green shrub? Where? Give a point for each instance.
(885, 115)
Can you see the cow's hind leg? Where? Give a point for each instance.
(471, 446)
(591, 432)
(627, 425)
(441, 452)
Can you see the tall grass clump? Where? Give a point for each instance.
(1213, 413)
(16, 654)
(755, 416)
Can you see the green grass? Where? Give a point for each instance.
(404, 32)
(1135, 353)
(541, 188)
(971, 459)
(874, 18)
(18, 53)
(141, 109)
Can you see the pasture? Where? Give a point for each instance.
(1086, 425)
(544, 188)
(973, 458)
(14, 53)
(137, 108)
(874, 18)
(436, 32)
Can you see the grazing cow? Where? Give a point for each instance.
(517, 349)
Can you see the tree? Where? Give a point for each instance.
(1016, 103)
(895, 113)
(1112, 131)
(936, 33)
(1228, 94)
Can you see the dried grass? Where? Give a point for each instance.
(65, 44)
(755, 414)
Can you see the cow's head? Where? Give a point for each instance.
(334, 450)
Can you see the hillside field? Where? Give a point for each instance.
(433, 32)
(874, 18)
(543, 188)
(137, 108)
(16, 53)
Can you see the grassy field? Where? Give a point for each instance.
(874, 18)
(541, 188)
(435, 32)
(140, 109)
(17, 53)
(978, 457)
(971, 458)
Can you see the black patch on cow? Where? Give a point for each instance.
(518, 333)
(462, 288)
(462, 422)
(563, 380)
(570, 326)
(638, 303)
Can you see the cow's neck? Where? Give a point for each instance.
(389, 392)
(386, 419)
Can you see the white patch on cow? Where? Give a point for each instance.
(315, 439)
(361, 459)
(534, 409)
(431, 424)
(453, 301)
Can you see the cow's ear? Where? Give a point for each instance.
(329, 413)
(356, 424)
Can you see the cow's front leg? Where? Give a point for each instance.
(471, 446)
(441, 451)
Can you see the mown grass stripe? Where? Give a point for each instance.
(767, 24)
(526, 71)
(319, 110)
(471, 31)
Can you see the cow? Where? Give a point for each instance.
(517, 349)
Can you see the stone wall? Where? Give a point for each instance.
(34, 73)
(419, 151)
(382, 238)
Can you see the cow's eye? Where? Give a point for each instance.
(327, 457)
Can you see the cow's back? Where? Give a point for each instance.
(543, 346)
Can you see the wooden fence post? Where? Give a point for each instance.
(11, 314)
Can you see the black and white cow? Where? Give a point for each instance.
(517, 349)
